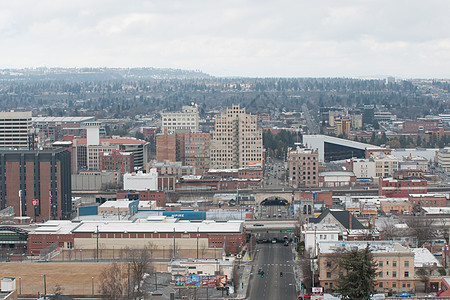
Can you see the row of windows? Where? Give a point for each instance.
(394, 284)
(394, 274)
(394, 263)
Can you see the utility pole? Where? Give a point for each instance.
(197, 241)
(173, 255)
(97, 244)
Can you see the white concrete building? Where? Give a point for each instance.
(317, 233)
(364, 168)
(140, 181)
(185, 121)
(414, 163)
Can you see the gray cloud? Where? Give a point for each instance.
(406, 38)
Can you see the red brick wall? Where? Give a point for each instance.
(37, 242)
(166, 147)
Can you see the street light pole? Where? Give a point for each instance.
(45, 286)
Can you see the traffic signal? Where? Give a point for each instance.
(281, 274)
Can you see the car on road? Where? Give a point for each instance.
(274, 241)
(286, 243)
(403, 295)
(305, 296)
(260, 270)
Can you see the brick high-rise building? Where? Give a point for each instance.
(116, 160)
(166, 147)
(193, 149)
(303, 167)
(236, 140)
(40, 175)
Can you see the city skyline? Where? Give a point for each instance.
(250, 39)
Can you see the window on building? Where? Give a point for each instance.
(380, 285)
(394, 284)
(380, 263)
(406, 274)
(394, 274)
(406, 263)
(394, 263)
(328, 274)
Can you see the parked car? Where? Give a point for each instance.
(404, 295)
(305, 296)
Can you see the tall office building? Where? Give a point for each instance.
(181, 122)
(303, 167)
(15, 130)
(236, 140)
(36, 183)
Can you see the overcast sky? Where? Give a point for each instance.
(255, 38)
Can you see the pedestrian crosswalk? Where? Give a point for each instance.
(279, 265)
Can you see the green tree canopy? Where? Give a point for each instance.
(359, 272)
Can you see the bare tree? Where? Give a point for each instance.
(388, 230)
(443, 230)
(304, 265)
(421, 228)
(114, 281)
(298, 229)
(140, 265)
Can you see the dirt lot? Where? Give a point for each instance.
(74, 278)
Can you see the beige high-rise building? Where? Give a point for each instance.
(15, 130)
(303, 167)
(236, 140)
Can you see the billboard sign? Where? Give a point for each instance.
(316, 290)
(209, 281)
(255, 163)
(187, 281)
(221, 281)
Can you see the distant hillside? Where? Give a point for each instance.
(82, 74)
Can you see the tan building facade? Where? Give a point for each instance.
(236, 140)
(385, 165)
(303, 167)
(395, 268)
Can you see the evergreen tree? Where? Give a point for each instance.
(359, 272)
